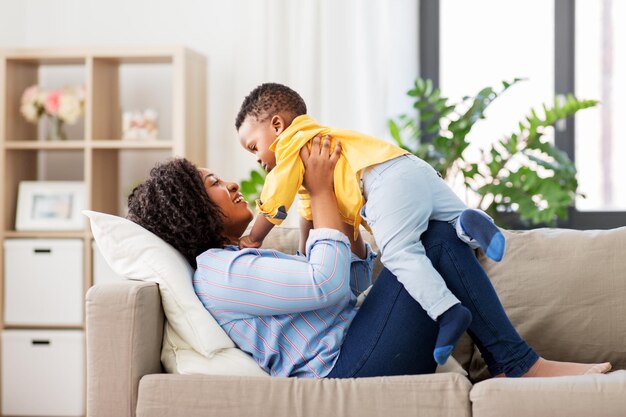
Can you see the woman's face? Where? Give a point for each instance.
(237, 213)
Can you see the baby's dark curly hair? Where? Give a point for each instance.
(173, 204)
(269, 99)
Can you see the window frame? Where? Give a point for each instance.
(564, 83)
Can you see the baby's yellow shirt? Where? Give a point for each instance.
(358, 151)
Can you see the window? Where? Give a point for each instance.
(472, 58)
(562, 46)
(601, 73)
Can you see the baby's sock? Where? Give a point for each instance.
(452, 324)
(480, 227)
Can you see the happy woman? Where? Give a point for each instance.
(298, 315)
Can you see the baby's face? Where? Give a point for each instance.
(256, 137)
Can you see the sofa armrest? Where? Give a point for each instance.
(124, 336)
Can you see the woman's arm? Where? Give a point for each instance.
(262, 282)
(256, 282)
(361, 270)
(318, 180)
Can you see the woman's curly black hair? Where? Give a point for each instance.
(173, 204)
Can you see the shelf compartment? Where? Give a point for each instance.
(50, 73)
(19, 76)
(19, 166)
(48, 364)
(37, 165)
(115, 172)
(35, 263)
(120, 85)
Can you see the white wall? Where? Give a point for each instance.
(353, 67)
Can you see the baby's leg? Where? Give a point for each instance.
(476, 227)
(398, 209)
(452, 324)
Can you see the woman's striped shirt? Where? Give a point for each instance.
(290, 313)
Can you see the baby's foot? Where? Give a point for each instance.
(452, 324)
(480, 227)
(546, 368)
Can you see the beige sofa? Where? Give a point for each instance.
(564, 290)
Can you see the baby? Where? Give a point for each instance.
(391, 191)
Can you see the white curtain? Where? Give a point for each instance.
(352, 61)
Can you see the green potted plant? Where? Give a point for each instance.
(251, 187)
(521, 173)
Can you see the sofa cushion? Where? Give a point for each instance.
(135, 253)
(578, 396)
(190, 396)
(565, 292)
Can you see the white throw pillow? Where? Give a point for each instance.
(135, 253)
(178, 357)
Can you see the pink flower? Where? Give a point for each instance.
(52, 102)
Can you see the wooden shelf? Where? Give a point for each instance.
(64, 56)
(35, 326)
(44, 234)
(44, 145)
(39, 145)
(100, 160)
(131, 144)
(51, 59)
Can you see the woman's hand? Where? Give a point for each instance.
(319, 165)
(319, 168)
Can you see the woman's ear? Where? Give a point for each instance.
(278, 124)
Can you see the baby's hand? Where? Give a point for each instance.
(247, 242)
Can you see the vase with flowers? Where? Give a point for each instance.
(60, 107)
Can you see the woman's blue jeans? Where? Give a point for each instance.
(392, 334)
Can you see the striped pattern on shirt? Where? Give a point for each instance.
(290, 313)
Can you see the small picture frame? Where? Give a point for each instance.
(50, 205)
